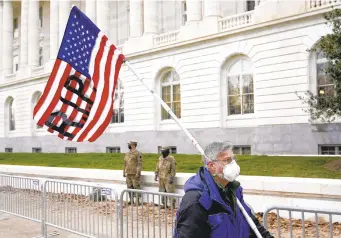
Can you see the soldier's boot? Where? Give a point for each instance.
(173, 204)
(130, 199)
(164, 202)
(137, 201)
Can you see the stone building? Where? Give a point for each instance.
(228, 69)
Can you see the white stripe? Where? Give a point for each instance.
(109, 99)
(52, 92)
(100, 88)
(93, 56)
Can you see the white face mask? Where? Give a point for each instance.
(231, 171)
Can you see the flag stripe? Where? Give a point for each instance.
(106, 122)
(56, 96)
(51, 94)
(47, 89)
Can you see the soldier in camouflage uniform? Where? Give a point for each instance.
(132, 170)
(166, 170)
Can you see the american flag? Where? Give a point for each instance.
(77, 102)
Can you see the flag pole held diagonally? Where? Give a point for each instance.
(194, 141)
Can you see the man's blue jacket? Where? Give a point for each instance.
(209, 211)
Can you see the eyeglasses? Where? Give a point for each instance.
(228, 161)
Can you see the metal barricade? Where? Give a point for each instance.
(21, 197)
(303, 227)
(148, 217)
(86, 210)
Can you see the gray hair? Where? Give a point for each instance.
(214, 149)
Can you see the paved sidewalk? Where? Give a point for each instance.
(15, 227)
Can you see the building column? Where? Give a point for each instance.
(90, 10)
(136, 18)
(194, 10)
(54, 28)
(23, 56)
(102, 12)
(7, 56)
(212, 8)
(64, 12)
(33, 32)
(1, 35)
(150, 17)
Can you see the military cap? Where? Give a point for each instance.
(165, 147)
(132, 142)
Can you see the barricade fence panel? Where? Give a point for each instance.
(301, 222)
(21, 196)
(153, 215)
(90, 211)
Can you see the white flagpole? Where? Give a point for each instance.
(194, 141)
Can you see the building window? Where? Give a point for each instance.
(172, 149)
(8, 150)
(113, 150)
(325, 85)
(239, 77)
(11, 113)
(250, 5)
(36, 150)
(41, 16)
(118, 111)
(330, 149)
(40, 56)
(35, 98)
(70, 150)
(242, 150)
(15, 63)
(184, 12)
(170, 93)
(15, 24)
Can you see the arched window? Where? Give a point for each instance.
(118, 113)
(170, 93)
(35, 98)
(324, 83)
(10, 114)
(239, 80)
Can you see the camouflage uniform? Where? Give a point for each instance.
(132, 170)
(166, 170)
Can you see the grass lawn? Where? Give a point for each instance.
(309, 167)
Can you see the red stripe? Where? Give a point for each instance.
(104, 96)
(106, 122)
(56, 97)
(75, 112)
(47, 87)
(95, 76)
